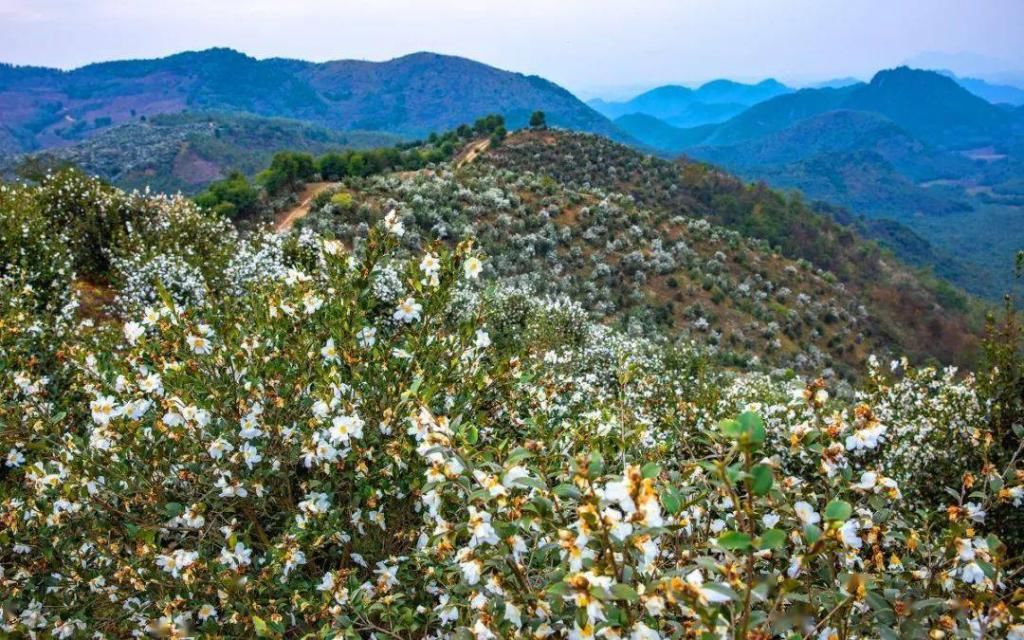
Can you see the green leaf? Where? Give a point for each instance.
(262, 630)
(753, 426)
(762, 479)
(651, 470)
(772, 539)
(731, 429)
(174, 509)
(734, 540)
(566, 491)
(624, 592)
(472, 434)
(838, 510)
(596, 466)
(812, 533)
(671, 500)
(559, 588)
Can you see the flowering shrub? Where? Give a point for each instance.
(376, 440)
(312, 457)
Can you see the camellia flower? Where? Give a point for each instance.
(408, 311)
(393, 224)
(473, 266)
(328, 352)
(367, 337)
(696, 579)
(103, 409)
(199, 344)
(806, 513)
(471, 571)
(176, 561)
(133, 331)
(206, 612)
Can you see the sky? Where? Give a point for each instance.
(593, 47)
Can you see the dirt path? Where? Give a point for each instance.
(286, 219)
(470, 153)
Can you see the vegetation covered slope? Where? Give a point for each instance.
(411, 96)
(911, 147)
(682, 247)
(297, 436)
(186, 152)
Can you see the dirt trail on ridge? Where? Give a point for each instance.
(287, 218)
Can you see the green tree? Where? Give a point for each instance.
(234, 196)
(538, 120)
(287, 171)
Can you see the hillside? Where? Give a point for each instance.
(185, 152)
(912, 147)
(216, 433)
(410, 96)
(858, 159)
(927, 104)
(679, 106)
(643, 242)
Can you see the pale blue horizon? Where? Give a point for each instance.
(593, 48)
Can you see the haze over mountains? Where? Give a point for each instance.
(921, 148)
(931, 161)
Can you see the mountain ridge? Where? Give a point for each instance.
(410, 95)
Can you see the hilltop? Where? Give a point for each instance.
(411, 96)
(682, 247)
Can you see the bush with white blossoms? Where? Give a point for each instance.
(311, 459)
(142, 280)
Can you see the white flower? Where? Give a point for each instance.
(868, 479)
(483, 340)
(152, 384)
(206, 612)
(408, 311)
(326, 583)
(393, 224)
(103, 409)
(199, 344)
(328, 352)
(696, 578)
(971, 573)
(219, 447)
(848, 533)
(15, 458)
(240, 556)
(513, 615)
(133, 331)
(975, 512)
(430, 265)
(513, 474)
(641, 631)
(806, 513)
(343, 428)
(481, 529)
(473, 266)
(471, 571)
(174, 562)
(367, 337)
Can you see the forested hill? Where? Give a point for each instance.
(411, 96)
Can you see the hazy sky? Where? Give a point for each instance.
(586, 45)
